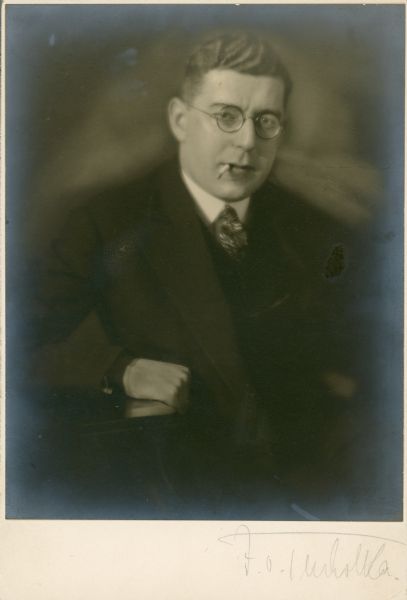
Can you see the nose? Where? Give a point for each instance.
(246, 136)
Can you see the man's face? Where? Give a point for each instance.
(231, 166)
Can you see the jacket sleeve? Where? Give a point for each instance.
(70, 346)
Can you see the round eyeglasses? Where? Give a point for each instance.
(231, 119)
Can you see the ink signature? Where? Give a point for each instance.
(367, 559)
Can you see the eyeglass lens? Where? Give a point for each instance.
(231, 118)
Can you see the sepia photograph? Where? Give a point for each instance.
(204, 262)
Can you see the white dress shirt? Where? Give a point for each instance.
(209, 206)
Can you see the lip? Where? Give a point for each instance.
(237, 171)
(238, 166)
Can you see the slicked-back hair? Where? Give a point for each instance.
(237, 51)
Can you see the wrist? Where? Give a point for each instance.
(113, 379)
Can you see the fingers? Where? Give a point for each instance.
(155, 380)
(147, 408)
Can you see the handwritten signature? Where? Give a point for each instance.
(367, 560)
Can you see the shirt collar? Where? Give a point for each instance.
(210, 206)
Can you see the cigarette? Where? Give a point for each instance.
(223, 170)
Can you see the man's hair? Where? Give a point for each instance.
(241, 52)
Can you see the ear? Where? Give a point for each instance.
(177, 117)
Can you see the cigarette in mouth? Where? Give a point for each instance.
(223, 170)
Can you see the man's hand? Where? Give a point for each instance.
(159, 388)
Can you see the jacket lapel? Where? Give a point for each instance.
(176, 249)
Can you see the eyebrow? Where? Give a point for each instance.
(277, 113)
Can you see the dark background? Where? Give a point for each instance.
(87, 88)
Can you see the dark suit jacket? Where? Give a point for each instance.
(131, 276)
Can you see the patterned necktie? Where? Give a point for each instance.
(230, 233)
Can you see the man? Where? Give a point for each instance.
(194, 302)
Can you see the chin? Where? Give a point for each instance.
(233, 193)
